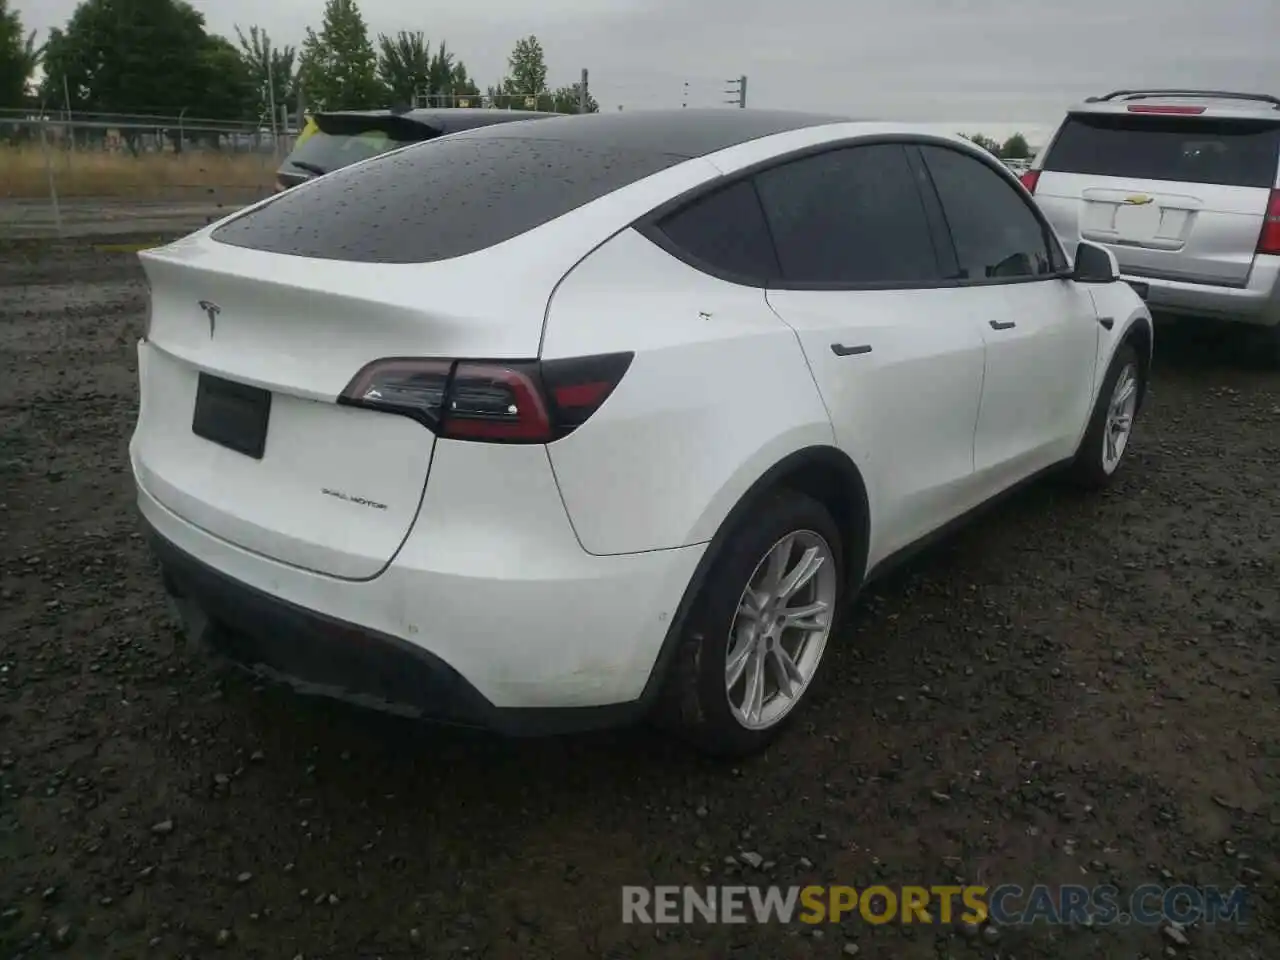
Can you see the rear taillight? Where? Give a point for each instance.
(497, 401)
(1029, 179)
(1166, 109)
(1269, 241)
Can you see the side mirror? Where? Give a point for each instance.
(1095, 264)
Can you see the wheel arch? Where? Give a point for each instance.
(821, 471)
(1141, 336)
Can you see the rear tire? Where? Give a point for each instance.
(1115, 412)
(744, 623)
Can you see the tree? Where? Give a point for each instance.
(567, 100)
(229, 89)
(339, 68)
(441, 72)
(144, 57)
(404, 65)
(271, 70)
(464, 88)
(526, 76)
(983, 141)
(140, 57)
(1016, 148)
(18, 58)
(409, 70)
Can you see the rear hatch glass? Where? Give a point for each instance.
(444, 199)
(339, 140)
(1231, 152)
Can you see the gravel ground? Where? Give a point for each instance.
(1077, 689)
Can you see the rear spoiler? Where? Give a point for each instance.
(394, 125)
(1186, 94)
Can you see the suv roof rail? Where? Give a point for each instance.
(1199, 94)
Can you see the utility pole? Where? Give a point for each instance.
(741, 91)
(271, 96)
(66, 100)
(684, 100)
(582, 92)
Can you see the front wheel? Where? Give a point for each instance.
(753, 645)
(1106, 439)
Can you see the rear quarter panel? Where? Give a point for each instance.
(718, 392)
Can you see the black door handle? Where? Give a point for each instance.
(840, 350)
(1002, 324)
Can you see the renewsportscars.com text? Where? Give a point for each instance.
(1007, 904)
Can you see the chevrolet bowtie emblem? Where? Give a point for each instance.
(1137, 200)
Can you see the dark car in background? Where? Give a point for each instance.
(337, 138)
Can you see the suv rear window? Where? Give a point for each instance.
(440, 199)
(340, 139)
(322, 152)
(1238, 153)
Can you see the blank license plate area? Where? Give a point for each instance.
(232, 414)
(1138, 223)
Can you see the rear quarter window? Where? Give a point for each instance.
(725, 233)
(1232, 152)
(440, 199)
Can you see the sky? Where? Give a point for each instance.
(972, 65)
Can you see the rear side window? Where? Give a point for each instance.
(440, 199)
(1238, 153)
(851, 216)
(996, 234)
(726, 232)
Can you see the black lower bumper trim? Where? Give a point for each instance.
(317, 654)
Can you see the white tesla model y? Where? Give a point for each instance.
(559, 423)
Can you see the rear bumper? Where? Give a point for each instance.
(316, 653)
(1257, 303)
(494, 617)
(319, 654)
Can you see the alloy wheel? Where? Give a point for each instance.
(780, 630)
(1120, 414)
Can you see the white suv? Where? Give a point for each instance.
(1184, 187)
(565, 422)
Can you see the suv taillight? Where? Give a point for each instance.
(497, 401)
(1269, 241)
(1029, 179)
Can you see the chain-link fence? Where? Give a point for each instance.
(117, 172)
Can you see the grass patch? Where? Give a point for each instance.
(96, 173)
(127, 247)
(34, 250)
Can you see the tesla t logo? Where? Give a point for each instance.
(1137, 200)
(211, 310)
